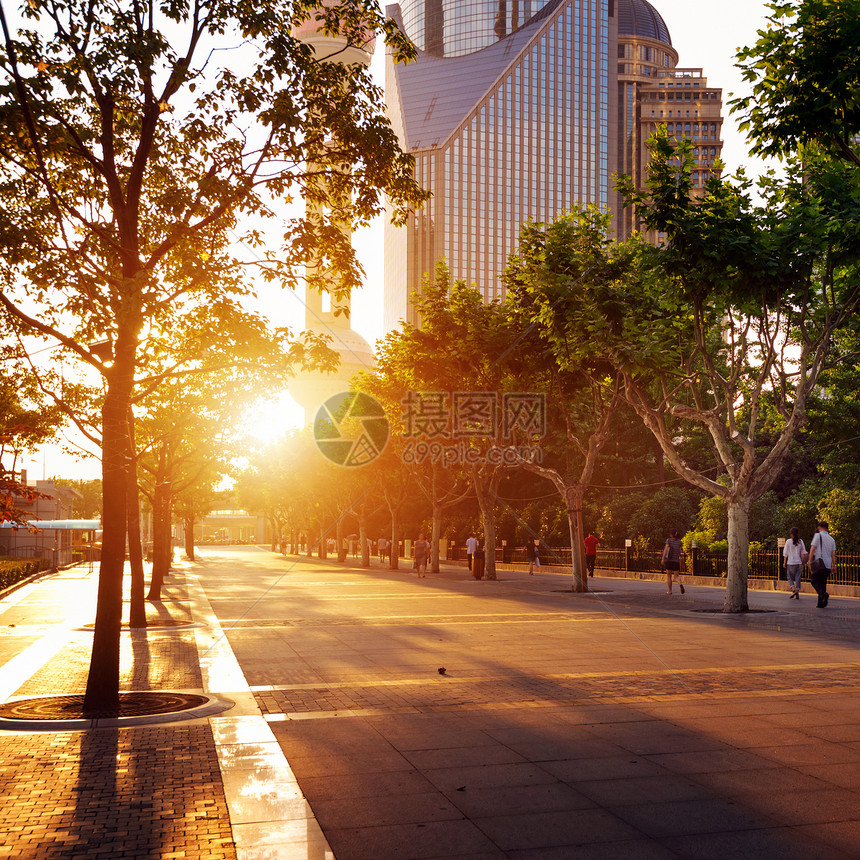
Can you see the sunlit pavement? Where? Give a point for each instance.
(619, 724)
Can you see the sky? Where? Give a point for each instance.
(706, 35)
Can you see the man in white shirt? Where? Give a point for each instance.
(823, 548)
(471, 546)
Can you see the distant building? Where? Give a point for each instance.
(519, 109)
(58, 545)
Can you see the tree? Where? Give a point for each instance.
(26, 421)
(805, 79)
(450, 367)
(138, 158)
(583, 391)
(733, 320)
(89, 506)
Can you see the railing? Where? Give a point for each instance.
(766, 564)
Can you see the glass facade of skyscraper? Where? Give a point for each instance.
(513, 111)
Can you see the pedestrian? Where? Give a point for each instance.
(382, 546)
(822, 562)
(471, 546)
(671, 560)
(422, 549)
(591, 544)
(532, 556)
(795, 556)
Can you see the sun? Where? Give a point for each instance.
(268, 419)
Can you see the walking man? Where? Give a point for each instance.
(471, 546)
(591, 544)
(822, 562)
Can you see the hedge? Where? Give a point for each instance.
(13, 570)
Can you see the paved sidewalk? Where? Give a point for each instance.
(619, 725)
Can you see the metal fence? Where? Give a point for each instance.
(765, 564)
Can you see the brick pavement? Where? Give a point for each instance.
(113, 793)
(132, 792)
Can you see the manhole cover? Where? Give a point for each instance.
(72, 707)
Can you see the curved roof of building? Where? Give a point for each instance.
(640, 18)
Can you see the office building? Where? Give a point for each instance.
(519, 109)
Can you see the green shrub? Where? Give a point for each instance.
(13, 570)
(704, 539)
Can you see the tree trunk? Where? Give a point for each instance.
(573, 506)
(738, 560)
(485, 490)
(394, 552)
(435, 536)
(102, 693)
(137, 609)
(339, 538)
(362, 536)
(162, 546)
(188, 526)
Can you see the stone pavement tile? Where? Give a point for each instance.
(646, 789)
(329, 738)
(588, 715)
(412, 841)
(348, 812)
(372, 784)
(838, 733)
(578, 745)
(625, 766)
(688, 817)
(549, 829)
(711, 760)
(638, 849)
(819, 808)
(840, 839)
(804, 718)
(784, 781)
(657, 738)
(815, 751)
(431, 759)
(264, 795)
(488, 776)
(775, 843)
(268, 833)
(842, 775)
(251, 756)
(747, 734)
(516, 800)
(336, 766)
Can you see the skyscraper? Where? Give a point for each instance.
(519, 109)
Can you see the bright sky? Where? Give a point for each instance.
(706, 35)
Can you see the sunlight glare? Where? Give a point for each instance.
(268, 419)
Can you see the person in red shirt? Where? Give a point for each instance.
(591, 544)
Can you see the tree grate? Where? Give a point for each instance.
(138, 704)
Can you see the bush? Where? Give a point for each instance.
(13, 570)
(704, 539)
